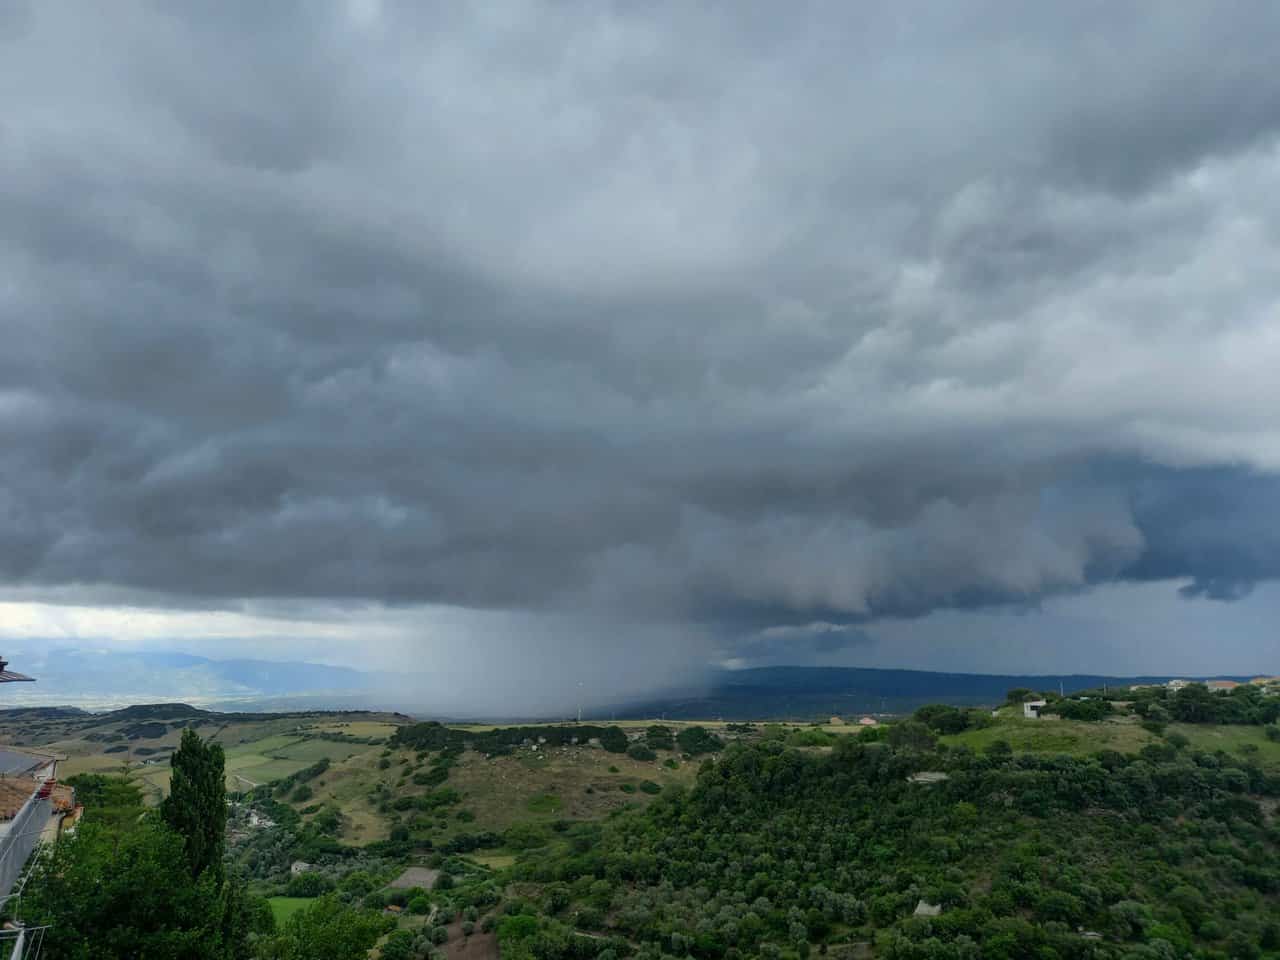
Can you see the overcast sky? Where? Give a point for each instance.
(639, 337)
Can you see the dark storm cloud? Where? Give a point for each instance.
(686, 314)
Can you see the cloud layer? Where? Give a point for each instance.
(683, 315)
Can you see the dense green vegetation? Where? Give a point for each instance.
(778, 852)
(500, 740)
(1195, 703)
(134, 883)
(196, 808)
(1030, 839)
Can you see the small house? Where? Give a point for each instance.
(1031, 709)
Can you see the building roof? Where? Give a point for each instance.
(64, 798)
(14, 763)
(13, 794)
(12, 676)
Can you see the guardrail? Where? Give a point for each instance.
(22, 836)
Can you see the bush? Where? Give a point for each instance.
(302, 794)
(310, 884)
(697, 740)
(398, 946)
(659, 737)
(638, 751)
(1091, 710)
(517, 927)
(613, 739)
(419, 905)
(648, 786)
(942, 718)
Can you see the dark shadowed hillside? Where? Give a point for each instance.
(803, 692)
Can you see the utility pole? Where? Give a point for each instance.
(579, 701)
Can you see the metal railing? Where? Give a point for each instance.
(21, 943)
(22, 836)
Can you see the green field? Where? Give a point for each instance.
(1058, 736)
(1237, 740)
(1078, 738)
(282, 908)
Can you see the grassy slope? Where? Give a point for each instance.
(285, 907)
(1058, 736)
(1233, 740)
(527, 786)
(1124, 735)
(546, 785)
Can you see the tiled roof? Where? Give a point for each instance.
(13, 794)
(14, 762)
(64, 797)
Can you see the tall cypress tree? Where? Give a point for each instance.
(196, 807)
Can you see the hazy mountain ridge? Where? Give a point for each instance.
(109, 680)
(800, 692)
(79, 676)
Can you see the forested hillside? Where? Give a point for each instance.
(778, 852)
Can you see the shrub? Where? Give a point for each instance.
(613, 739)
(638, 751)
(419, 905)
(696, 740)
(659, 737)
(398, 946)
(311, 884)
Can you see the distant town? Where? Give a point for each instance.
(1270, 685)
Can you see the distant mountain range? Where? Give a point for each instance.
(105, 680)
